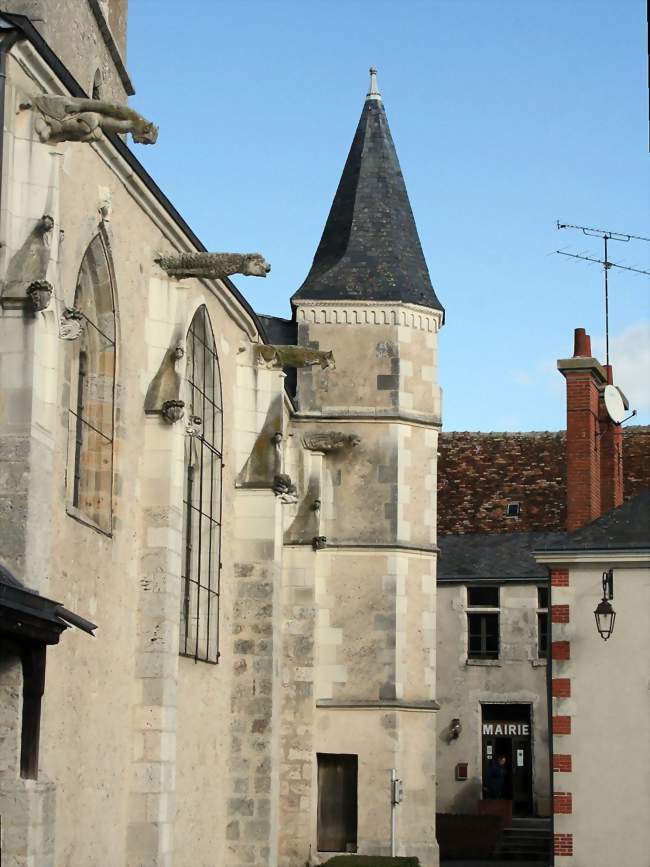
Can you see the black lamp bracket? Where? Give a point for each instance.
(608, 584)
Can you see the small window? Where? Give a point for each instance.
(337, 802)
(483, 597)
(482, 625)
(542, 622)
(483, 636)
(512, 510)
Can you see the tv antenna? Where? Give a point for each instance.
(606, 235)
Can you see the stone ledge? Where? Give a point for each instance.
(377, 704)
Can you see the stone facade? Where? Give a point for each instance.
(325, 598)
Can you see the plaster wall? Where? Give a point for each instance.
(610, 734)
(463, 684)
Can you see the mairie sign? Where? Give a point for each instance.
(506, 729)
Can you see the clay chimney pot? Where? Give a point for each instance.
(581, 344)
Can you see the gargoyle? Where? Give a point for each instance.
(214, 266)
(329, 441)
(277, 357)
(284, 488)
(73, 118)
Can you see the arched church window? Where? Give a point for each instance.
(92, 388)
(199, 633)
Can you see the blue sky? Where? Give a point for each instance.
(507, 115)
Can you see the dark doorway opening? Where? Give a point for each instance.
(337, 802)
(507, 755)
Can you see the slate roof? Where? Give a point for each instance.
(628, 526)
(507, 556)
(278, 330)
(370, 249)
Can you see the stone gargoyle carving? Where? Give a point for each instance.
(74, 118)
(214, 266)
(277, 357)
(329, 441)
(284, 488)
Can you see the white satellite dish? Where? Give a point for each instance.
(614, 404)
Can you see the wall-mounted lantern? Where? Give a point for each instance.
(604, 613)
(39, 292)
(455, 728)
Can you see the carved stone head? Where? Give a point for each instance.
(148, 134)
(254, 265)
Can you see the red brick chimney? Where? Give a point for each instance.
(611, 455)
(585, 377)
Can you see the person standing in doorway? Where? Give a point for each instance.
(496, 777)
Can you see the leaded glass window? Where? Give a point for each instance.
(92, 391)
(199, 631)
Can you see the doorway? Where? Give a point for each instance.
(506, 732)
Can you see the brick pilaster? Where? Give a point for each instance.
(562, 763)
(561, 687)
(560, 614)
(559, 577)
(560, 650)
(563, 803)
(561, 725)
(563, 844)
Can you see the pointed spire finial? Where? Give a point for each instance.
(373, 93)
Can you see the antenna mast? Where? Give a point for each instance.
(606, 235)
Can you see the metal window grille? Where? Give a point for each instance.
(199, 626)
(483, 624)
(92, 394)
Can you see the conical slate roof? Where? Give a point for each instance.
(370, 249)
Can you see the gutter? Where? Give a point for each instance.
(27, 29)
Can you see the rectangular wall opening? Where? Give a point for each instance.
(337, 802)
